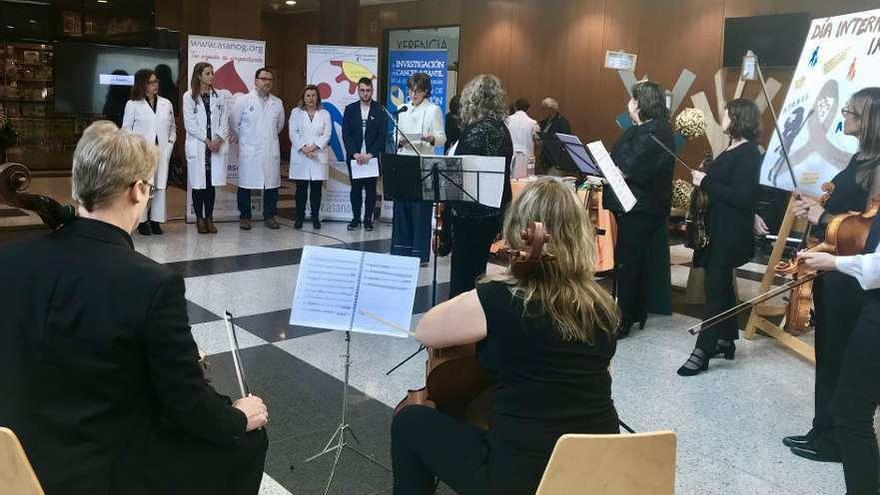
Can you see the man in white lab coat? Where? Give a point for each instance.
(257, 118)
(524, 133)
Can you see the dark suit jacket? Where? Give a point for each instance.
(551, 149)
(352, 130)
(646, 167)
(97, 363)
(732, 187)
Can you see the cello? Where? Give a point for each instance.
(14, 180)
(455, 383)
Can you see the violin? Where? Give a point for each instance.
(799, 306)
(441, 243)
(14, 180)
(845, 235)
(696, 233)
(455, 383)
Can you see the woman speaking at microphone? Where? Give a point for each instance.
(548, 335)
(732, 188)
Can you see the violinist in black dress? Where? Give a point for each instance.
(732, 188)
(838, 298)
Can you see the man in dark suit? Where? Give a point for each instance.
(364, 133)
(99, 373)
(552, 154)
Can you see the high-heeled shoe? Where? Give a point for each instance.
(728, 351)
(699, 362)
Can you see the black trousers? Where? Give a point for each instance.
(191, 465)
(203, 199)
(719, 298)
(634, 232)
(855, 400)
(838, 301)
(358, 188)
(471, 241)
(427, 444)
(311, 190)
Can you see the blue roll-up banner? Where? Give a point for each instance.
(404, 63)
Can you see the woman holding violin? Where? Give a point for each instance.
(474, 226)
(732, 189)
(837, 297)
(547, 333)
(647, 169)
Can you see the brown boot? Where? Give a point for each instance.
(271, 223)
(244, 224)
(201, 226)
(210, 223)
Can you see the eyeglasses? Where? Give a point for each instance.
(849, 111)
(267, 79)
(417, 91)
(152, 191)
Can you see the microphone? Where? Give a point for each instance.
(401, 110)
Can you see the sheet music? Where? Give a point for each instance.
(612, 175)
(491, 185)
(370, 169)
(333, 285)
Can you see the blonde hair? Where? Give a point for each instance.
(483, 98)
(561, 286)
(106, 161)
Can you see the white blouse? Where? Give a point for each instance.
(427, 118)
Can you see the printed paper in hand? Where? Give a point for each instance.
(334, 286)
(612, 175)
(370, 169)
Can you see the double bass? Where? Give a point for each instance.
(455, 382)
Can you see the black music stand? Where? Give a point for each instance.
(436, 179)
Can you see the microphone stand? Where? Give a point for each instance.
(406, 138)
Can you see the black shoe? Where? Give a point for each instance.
(800, 440)
(623, 329)
(813, 454)
(353, 224)
(298, 224)
(156, 228)
(368, 225)
(642, 322)
(144, 228)
(316, 224)
(698, 362)
(727, 350)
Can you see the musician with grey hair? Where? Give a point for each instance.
(554, 122)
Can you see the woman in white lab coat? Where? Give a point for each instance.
(423, 125)
(206, 118)
(310, 129)
(151, 116)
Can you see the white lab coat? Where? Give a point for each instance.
(523, 132)
(257, 128)
(140, 119)
(427, 118)
(303, 132)
(195, 121)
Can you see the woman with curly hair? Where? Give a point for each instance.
(474, 226)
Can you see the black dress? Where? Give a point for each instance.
(838, 300)
(732, 187)
(648, 170)
(473, 226)
(546, 387)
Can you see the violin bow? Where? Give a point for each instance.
(672, 153)
(770, 294)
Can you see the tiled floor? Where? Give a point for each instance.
(729, 421)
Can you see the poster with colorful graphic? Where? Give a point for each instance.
(335, 70)
(235, 63)
(404, 63)
(841, 56)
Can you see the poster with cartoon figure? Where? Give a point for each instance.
(335, 70)
(840, 56)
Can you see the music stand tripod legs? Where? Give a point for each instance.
(338, 441)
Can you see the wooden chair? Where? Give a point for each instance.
(16, 475)
(643, 464)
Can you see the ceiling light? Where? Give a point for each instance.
(33, 21)
(102, 1)
(290, 2)
(10, 27)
